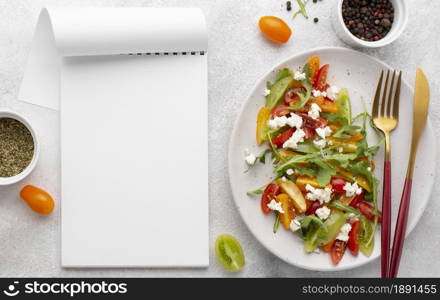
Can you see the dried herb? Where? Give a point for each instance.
(16, 147)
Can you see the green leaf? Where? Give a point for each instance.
(276, 224)
(324, 176)
(258, 191)
(350, 129)
(262, 156)
(296, 159)
(282, 73)
(277, 91)
(304, 96)
(302, 9)
(310, 171)
(342, 158)
(338, 205)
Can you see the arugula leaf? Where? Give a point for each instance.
(276, 224)
(306, 147)
(302, 9)
(282, 73)
(350, 129)
(324, 176)
(296, 159)
(262, 156)
(338, 205)
(310, 171)
(342, 158)
(258, 191)
(277, 92)
(304, 96)
(332, 118)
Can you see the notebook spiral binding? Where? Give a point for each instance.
(170, 53)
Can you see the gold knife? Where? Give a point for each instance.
(420, 113)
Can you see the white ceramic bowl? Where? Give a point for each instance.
(10, 180)
(399, 24)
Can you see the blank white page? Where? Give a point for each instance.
(134, 161)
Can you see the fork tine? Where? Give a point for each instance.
(384, 95)
(397, 97)
(376, 101)
(390, 95)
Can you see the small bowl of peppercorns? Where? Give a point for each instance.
(369, 23)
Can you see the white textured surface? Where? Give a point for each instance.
(238, 56)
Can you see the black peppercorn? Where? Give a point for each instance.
(315, 20)
(368, 20)
(289, 6)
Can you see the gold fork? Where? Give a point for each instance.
(386, 97)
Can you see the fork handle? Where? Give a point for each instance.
(399, 234)
(386, 220)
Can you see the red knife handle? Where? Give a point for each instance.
(399, 234)
(386, 220)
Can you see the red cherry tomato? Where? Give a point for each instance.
(338, 250)
(355, 201)
(275, 29)
(368, 210)
(338, 184)
(291, 96)
(270, 193)
(283, 137)
(310, 132)
(312, 123)
(313, 207)
(353, 241)
(321, 79)
(280, 110)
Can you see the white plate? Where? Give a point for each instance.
(359, 73)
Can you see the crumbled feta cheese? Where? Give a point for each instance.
(318, 93)
(330, 143)
(274, 205)
(250, 158)
(352, 189)
(266, 92)
(323, 212)
(277, 122)
(369, 169)
(299, 75)
(332, 92)
(323, 132)
(343, 234)
(290, 172)
(341, 149)
(314, 111)
(297, 137)
(293, 121)
(323, 195)
(295, 225)
(320, 143)
(284, 178)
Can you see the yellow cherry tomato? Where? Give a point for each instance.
(37, 199)
(314, 67)
(275, 29)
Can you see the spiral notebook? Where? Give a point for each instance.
(131, 88)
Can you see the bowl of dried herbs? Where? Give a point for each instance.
(19, 149)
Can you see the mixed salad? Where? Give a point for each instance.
(324, 188)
